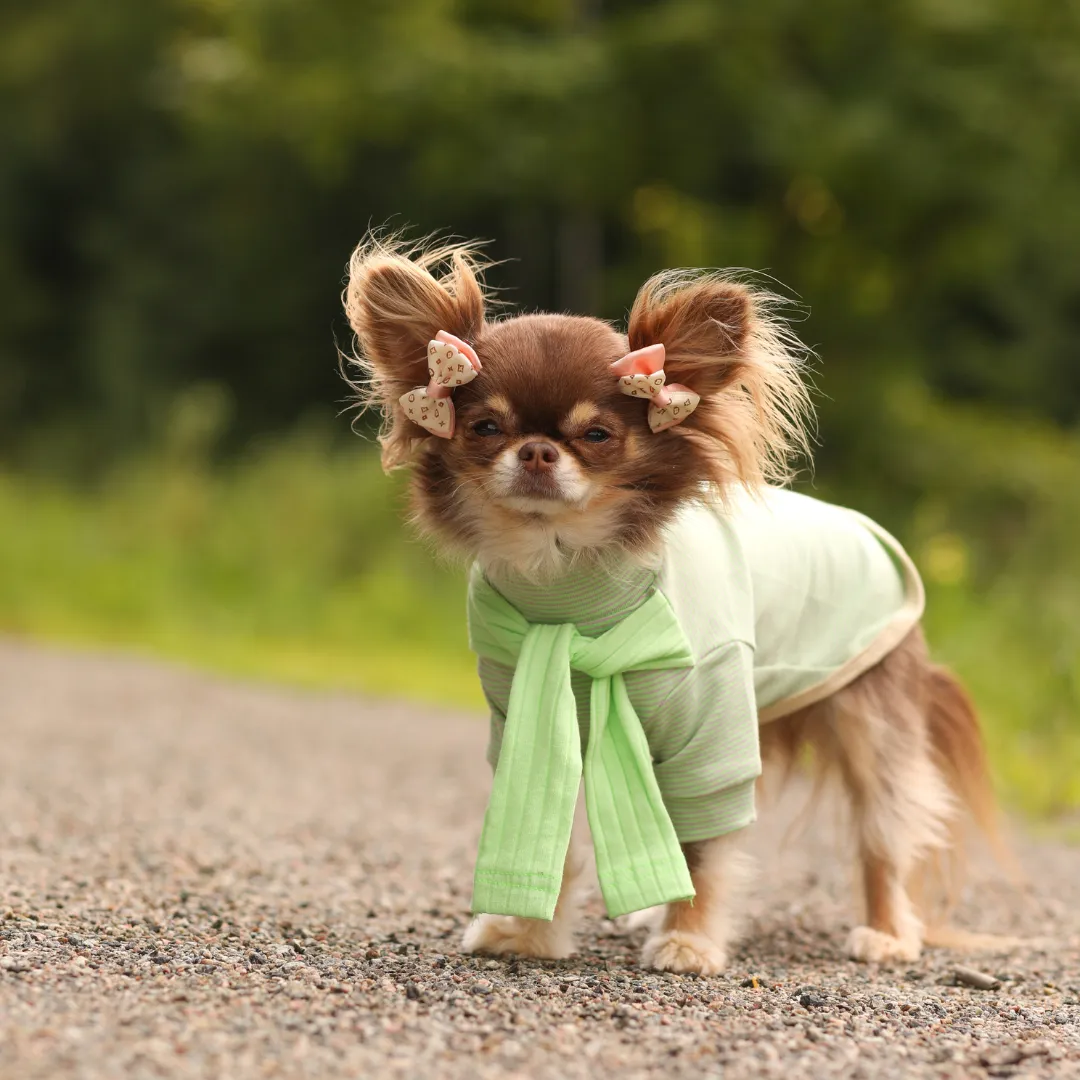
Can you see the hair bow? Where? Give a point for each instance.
(641, 374)
(451, 362)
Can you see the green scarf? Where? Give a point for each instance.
(527, 826)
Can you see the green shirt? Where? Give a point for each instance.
(784, 600)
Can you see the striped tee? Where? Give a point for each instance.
(784, 600)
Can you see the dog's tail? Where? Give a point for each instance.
(956, 740)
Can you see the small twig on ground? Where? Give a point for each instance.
(978, 979)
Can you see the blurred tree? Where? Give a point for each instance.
(180, 184)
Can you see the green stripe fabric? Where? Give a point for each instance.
(529, 817)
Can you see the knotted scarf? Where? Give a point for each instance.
(529, 816)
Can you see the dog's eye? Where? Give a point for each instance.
(486, 427)
(597, 434)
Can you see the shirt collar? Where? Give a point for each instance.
(592, 593)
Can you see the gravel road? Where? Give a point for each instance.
(205, 879)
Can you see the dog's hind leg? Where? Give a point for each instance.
(901, 805)
(875, 734)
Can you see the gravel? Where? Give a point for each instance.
(206, 879)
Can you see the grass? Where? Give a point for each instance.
(293, 564)
(290, 565)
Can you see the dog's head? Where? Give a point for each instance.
(550, 458)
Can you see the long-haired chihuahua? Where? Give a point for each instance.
(582, 471)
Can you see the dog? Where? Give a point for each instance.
(552, 450)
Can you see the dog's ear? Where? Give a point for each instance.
(396, 304)
(723, 341)
(396, 301)
(703, 325)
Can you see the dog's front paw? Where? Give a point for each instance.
(499, 934)
(685, 953)
(866, 944)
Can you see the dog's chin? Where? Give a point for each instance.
(545, 506)
(536, 527)
(540, 536)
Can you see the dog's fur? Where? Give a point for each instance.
(902, 738)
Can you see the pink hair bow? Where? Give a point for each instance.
(641, 374)
(451, 362)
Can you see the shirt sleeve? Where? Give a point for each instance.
(705, 746)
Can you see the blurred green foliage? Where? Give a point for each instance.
(181, 183)
(288, 562)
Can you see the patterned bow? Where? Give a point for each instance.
(451, 362)
(641, 374)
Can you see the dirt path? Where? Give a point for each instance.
(202, 879)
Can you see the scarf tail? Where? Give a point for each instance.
(531, 810)
(638, 856)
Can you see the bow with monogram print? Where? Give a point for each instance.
(451, 362)
(641, 374)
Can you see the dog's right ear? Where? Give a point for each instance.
(396, 301)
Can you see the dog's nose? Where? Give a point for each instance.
(538, 456)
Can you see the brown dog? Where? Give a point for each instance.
(551, 466)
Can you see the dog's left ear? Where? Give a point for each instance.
(703, 325)
(722, 342)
